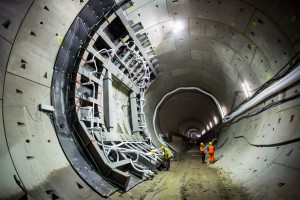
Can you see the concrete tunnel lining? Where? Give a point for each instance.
(219, 62)
(190, 103)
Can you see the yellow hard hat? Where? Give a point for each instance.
(210, 143)
(153, 152)
(201, 143)
(162, 147)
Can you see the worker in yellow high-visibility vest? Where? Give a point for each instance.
(166, 156)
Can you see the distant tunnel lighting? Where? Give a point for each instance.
(203, 132)
(178, 26)
(207, 127)
(210, 124)
(216, 120)
(199, 135)
(245, 89)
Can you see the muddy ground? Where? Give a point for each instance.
(188, 179)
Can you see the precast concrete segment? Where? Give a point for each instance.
(42, 167)
(5, 48)
(10, 189)
(251, 55)
(11, 19)
(33, 143)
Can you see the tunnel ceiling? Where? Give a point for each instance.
(215, 45)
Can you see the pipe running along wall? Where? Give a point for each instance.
(281, 84)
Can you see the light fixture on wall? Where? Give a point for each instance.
(203, 132)
(178, 26)
(245, 89)
(210, 124)
(207, 127)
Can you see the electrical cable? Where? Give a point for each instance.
(222, 144)
(269, 145)
(91, 113)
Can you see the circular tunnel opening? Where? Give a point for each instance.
(188, 114)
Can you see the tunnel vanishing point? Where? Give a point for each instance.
(89, 87)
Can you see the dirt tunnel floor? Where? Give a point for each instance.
(187, 179)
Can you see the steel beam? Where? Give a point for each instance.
(120, 14)
(108, 105)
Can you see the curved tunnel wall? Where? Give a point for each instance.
(30, 40)
(243, 40)
(30, 44)
(267, 172)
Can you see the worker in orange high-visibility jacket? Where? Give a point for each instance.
(202, 152)
(211, 152)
